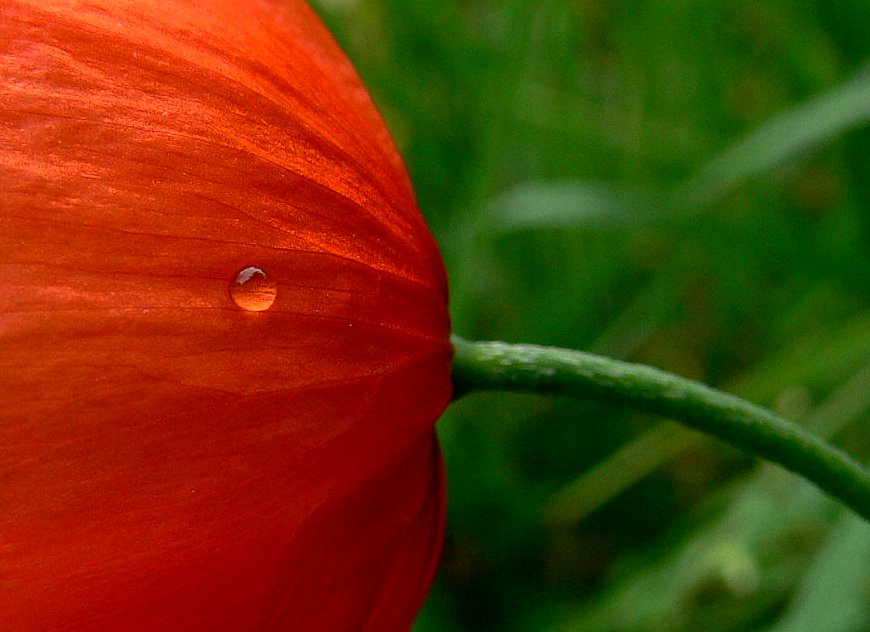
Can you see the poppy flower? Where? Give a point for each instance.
(224, 339)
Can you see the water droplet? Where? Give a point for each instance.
(253, 289)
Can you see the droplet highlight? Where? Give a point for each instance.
(253, 289)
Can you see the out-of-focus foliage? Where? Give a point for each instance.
(682, 183)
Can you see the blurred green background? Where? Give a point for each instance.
(682, 183)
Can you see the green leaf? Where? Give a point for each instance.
(782, 138)
(832, 597)
(568, 204)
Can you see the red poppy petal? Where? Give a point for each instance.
(397, 524)
(166, 457)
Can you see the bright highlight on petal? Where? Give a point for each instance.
(170, 460)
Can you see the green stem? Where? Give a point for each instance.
(481, 366)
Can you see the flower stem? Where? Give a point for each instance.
(479, 366)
